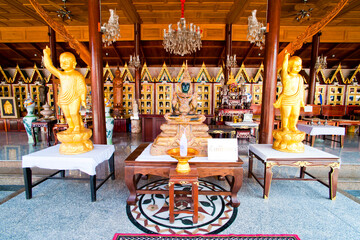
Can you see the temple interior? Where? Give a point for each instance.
(175, 127)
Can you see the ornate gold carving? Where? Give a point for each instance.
(183, 182)
(79, 47)
(334, 165)
(309, 32)
(302, 163)
(8, 108)
(271, 164)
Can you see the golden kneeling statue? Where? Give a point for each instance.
(76, 139)
(288, 138)
(183, 120)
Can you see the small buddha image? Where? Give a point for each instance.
(8, 108)
(206, 89)
(167, 104)
(148, 104)
(148, 96)
(161, 104)
(161, 97)
(161, 88)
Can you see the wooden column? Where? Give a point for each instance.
(97, 84)
(137, 69)
(314, 56)
(228, 48)
(54, 81)
(270, 71)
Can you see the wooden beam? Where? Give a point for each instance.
(27, 11)
(61, 46)
(114, 45)
(350, 6)
(347, 55)
(221, 56)
(247, 53)
(236, 11)
(143, 54)
(330, 49)
(129, 11)
(301, 50)
(12, 63)
(18, 52)
(39, 50)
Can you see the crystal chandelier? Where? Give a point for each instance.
(111, 29)
(256, 30)
(182, 40)
(134, 61)
(231, 61)
(321, 62)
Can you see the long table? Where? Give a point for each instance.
(140, 162)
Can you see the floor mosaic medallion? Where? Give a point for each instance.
(151, 212)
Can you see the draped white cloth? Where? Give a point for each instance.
(321, 129)
(265, 152)
(50, 158)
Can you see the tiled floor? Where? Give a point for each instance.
(63, 210)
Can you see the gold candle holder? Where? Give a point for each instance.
(183, 165)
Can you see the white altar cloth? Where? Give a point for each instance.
(321, 129)
(146, 156)
(265, 152)
(50, 158)
(242, 124)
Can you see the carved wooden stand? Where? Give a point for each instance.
(184, 178)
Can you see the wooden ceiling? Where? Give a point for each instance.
(19, 13)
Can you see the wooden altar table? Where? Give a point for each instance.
(312, 157)
(140, 162)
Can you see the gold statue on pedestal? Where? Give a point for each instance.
(76, 139)
(288, 138)
(183, 120)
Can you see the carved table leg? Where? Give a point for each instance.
(251, 160)
(302, 172)
(333, 178)
(33, 135)
(47, 136)
(171, 202)
(236, 185)
(131, 185)
(312, 141)
(267, 179)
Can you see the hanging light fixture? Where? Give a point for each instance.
(64, 13)
(134, 61)
(183, 40)
(256, 30)
(111, 29)
(321, 62)
(304, 14)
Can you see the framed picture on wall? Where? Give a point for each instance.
(8, 107)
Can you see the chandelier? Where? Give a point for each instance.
(303, 14)
(321, 62)
(111, 29)
(256, 30)
(134, 61)
(231, 61)
(183, 40)
(63, 12)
